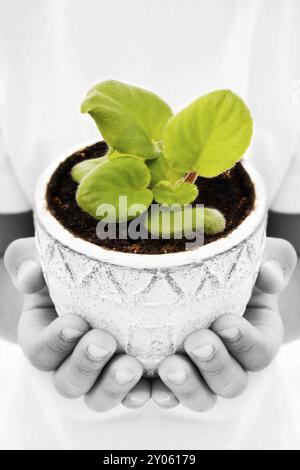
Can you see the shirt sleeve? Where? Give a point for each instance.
(12, 199)
(274, 99)
(287, 199)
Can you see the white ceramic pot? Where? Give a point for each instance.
(150, 303)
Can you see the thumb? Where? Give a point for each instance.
(278, 265)
(22, 263)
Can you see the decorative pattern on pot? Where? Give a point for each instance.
(150, 311)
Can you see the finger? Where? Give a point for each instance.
(163, 396)
(254, 339)
(79, 372)
(181, 377)
(278, 265)
(222, 373)
(119, 377)
(22, 264)
(45, 338)
(139, 395)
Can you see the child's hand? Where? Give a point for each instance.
(81, 358)
(218, 359)
(222, 355)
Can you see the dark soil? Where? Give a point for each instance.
(232, 193)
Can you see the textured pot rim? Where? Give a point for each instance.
(142, 261)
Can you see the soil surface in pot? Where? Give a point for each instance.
(232, 193)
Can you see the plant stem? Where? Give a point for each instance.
(191, 177)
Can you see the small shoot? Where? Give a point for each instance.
(155, 156)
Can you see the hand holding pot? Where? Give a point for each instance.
(79, 357)
(219, 359)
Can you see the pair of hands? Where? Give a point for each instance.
(215, 363)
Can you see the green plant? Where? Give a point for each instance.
(155, 156)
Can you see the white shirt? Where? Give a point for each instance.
(51, 52)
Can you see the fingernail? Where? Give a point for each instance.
(162, 397)
(28, 269)
(274, 268)
(96, 353)
(71, 333)
(230, 333)
(123, 377)
(178, 377)
(204, 353)
(138, 398)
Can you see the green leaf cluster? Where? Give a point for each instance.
(151, 151)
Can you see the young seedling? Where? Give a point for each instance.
(155, 156)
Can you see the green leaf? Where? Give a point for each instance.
(178, 221)
(115, 154)
(130, 119)
(105, 185)
(161, 169)
(80, 170)
(210, 135)
(214, 222)
(168, 193)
